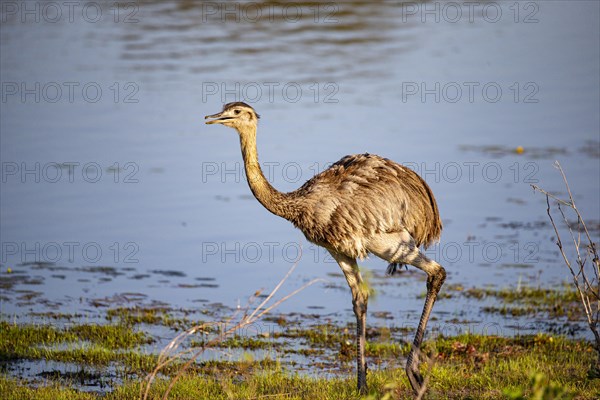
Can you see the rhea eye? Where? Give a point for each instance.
(237, 112)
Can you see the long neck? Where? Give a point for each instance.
(276, 202)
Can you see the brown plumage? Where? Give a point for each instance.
(360, 197)
(362, 204)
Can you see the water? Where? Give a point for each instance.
(107, 162)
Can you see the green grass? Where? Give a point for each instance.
(464, 367)
(132, 316)
(86, 344)
(539, 367)
(456, 375)
(25, 341)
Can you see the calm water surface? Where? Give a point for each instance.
(107, 161)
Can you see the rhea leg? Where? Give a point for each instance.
(436, 275)
(399, 247)
(360, 298)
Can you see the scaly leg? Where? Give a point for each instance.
(400, 247)
(360, 298)
(436, 275)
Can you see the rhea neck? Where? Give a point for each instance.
(276, 202)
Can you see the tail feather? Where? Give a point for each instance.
(434, 222)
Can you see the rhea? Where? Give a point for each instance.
(362, 204)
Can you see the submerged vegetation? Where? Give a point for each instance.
(250, 366)
(525, 300)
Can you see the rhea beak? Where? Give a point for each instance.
(218, 118)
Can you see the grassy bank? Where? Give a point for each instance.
(468, 366)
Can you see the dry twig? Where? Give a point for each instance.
(172, 352)
(588, 286)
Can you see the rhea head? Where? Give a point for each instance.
(236, 115)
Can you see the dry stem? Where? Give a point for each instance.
(587, 286)
(171, 352)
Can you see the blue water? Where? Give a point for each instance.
(120, 103)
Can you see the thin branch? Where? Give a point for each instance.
(539, 189)
(580, 262)
(170, 353)
(588, 291)
(275, 290)
(587, 233)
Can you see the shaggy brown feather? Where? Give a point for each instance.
(361, 196)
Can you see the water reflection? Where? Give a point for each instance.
(268, 39)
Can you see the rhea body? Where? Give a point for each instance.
(362, 204)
